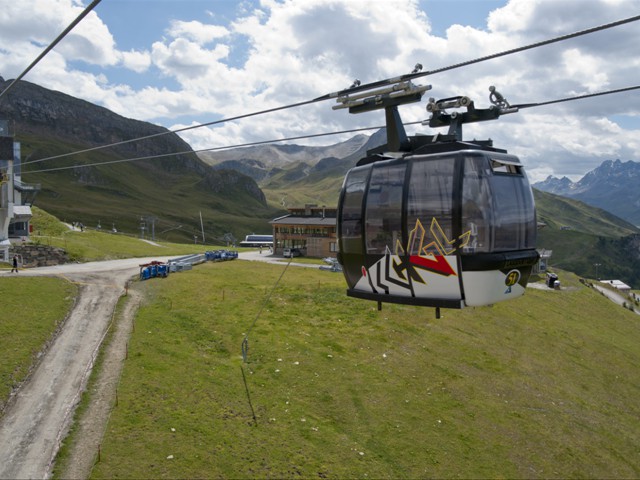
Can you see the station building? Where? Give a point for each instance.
(311, 229)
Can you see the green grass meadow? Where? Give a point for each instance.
(92, 245)
(539, 387)
(32, 309)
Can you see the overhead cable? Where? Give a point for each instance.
(356, 87)
(414, 74)
(78, 19)
(226, 147)
(183, 129)
(314, 135)
(579, 97)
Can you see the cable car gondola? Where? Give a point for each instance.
(434, 220)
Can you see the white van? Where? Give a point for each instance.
(291, 252)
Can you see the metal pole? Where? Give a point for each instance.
(202, 228)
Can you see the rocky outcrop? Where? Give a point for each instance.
(39, 255)
(613, 186)
(45, 113)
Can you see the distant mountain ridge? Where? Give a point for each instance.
(281, 156)
(580, 235)
(613, 186)
(303, 174)
(50, 123)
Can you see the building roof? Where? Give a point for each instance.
(620, 285)
(296, 220)
(21, 211)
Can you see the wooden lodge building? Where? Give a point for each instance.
(310, 229)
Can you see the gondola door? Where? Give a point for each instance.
(398, 237)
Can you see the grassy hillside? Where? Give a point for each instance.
(617, 258)
(582, 236)
(93, 245)
(32, 309)
(562, 212)
(121, 193)
(298, 189)
(544, 386)
(579, 235)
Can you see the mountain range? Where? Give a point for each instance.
(171, 190)
(294, 175)
(239, 191)
(613, 186)
(581, 233)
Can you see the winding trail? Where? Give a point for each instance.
(39, 414)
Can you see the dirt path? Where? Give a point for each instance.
(93, 422)
(39, 414)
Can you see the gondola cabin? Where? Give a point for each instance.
(444, 223)
(448, 229)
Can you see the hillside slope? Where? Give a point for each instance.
(544, 386)
(173, 188)
(294, 175)
(579, 235)
(560, 212)
(582, 236)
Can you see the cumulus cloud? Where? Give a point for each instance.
(197, 32)
(222, 64)
(139, 62)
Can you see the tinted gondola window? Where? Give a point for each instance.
(497, 206)
(384, 208)
(430, 199)
(477, 207)
(351, 214)
(515, 217)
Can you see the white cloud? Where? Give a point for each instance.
(185, 60)
(197, 32)
(139, 62)
(224, 64)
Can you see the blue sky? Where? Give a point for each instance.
(184, 62)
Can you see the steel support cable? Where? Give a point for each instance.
(245, 342)
(359, 88)
(212, 149)
(52, 45)
(183, 129)
(579, 97)
(316, 135)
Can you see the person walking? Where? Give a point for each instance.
(15, 264)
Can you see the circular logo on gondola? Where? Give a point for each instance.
(512, 278)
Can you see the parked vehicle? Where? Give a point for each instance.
(291, 252)
(334, 267)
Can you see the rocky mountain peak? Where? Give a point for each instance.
(612, 186)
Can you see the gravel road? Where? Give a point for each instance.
(38, 415)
